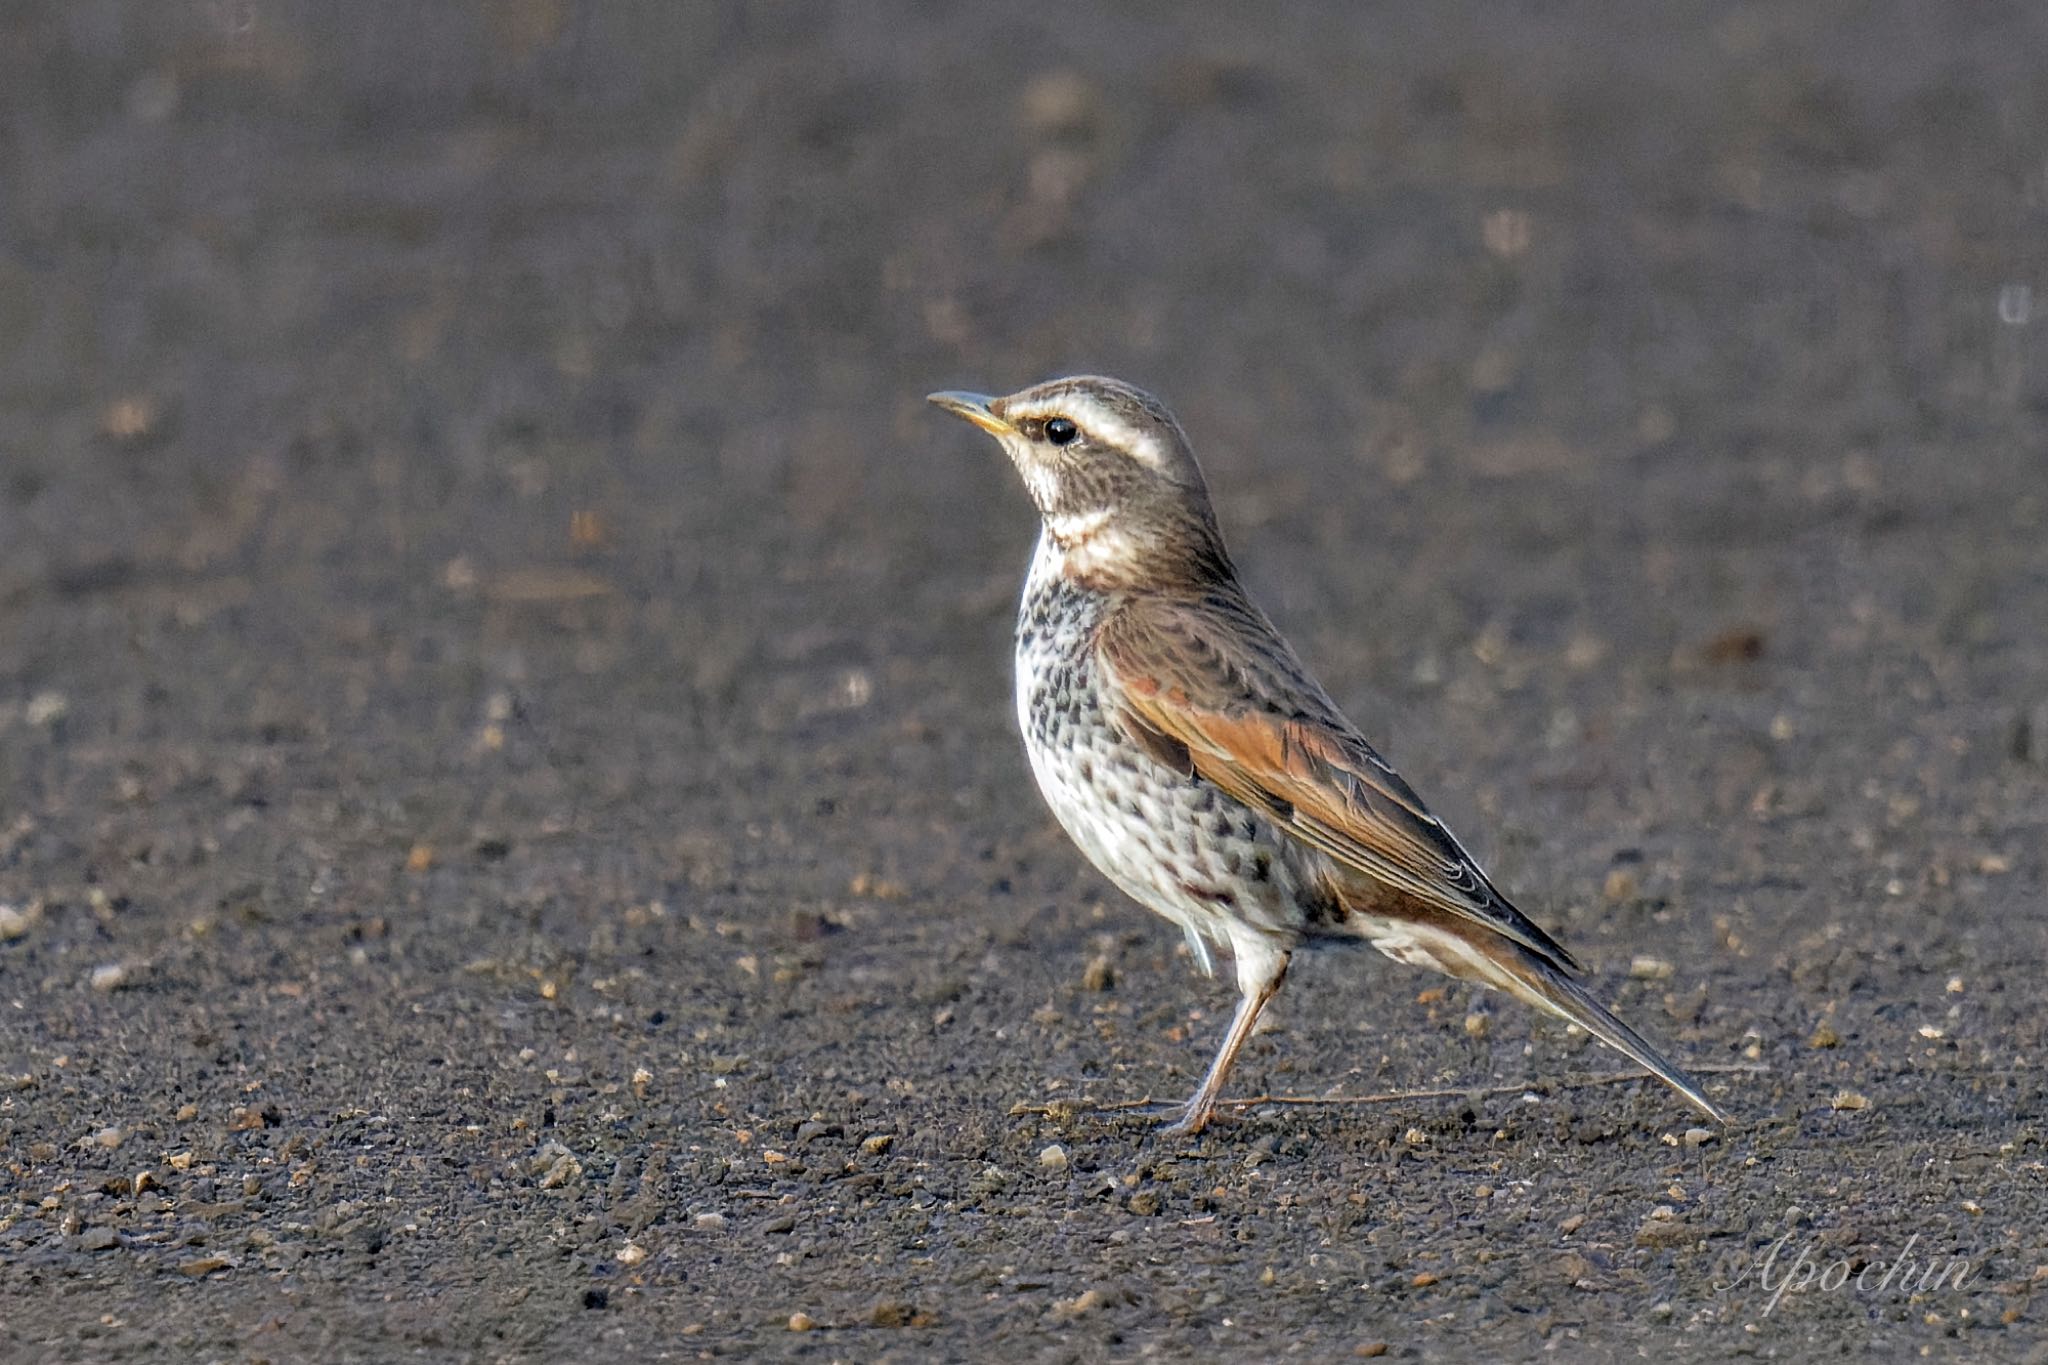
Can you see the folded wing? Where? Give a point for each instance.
(1210, 687)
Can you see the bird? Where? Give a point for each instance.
(1197, 763)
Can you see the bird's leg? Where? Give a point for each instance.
(1261, 988)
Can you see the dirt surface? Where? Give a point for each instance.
(512, 838)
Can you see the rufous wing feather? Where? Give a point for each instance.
(1210, 677)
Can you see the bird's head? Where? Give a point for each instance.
(1115, 483)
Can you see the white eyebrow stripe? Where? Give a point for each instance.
(1098, 421)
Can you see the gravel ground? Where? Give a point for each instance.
(513, 843)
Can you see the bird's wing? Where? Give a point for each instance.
(1208, 686)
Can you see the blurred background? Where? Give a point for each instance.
(485, 611)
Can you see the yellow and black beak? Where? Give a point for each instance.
(975, 407)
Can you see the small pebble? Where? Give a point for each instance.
(801, 1322)
(1145, 1203)
(1824, 1035)
(556, 1165)
(1663, 1228)
(1698, 1137)
(110, 976)
(1850, 1099)
(1061, 103)
(1647, 968)
(151, 99)
(632, 1254)
(876, 1144)
(710, 1222)
(1572, 1224)
(1053, 1158)
(1100, 975)
(15, 921)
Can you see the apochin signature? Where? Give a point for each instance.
(1783, 1270)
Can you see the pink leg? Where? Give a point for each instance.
(1194, 1116)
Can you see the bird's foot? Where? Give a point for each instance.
(1186, 1119)
(1168, 1117)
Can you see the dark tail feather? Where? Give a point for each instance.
(1462, 948)
(1539, 984)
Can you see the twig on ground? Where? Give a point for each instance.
(1394, 1096)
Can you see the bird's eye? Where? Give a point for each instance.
(1060, 431)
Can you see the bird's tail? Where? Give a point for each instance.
(1461, 949)
(1541, 985)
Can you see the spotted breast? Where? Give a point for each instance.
(1172, 842)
